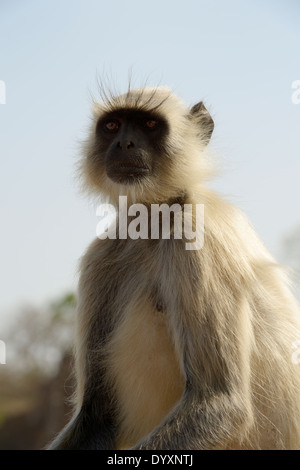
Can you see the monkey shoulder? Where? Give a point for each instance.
(124, 254)
(228, 226)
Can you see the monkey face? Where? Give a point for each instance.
(146, 144)
(131, 141)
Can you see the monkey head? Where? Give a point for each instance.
(146, 144)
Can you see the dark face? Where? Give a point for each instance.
(131, 142)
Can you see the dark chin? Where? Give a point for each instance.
(127, 175)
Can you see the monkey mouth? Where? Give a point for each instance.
(127, 174)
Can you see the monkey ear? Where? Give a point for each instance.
(204, 121)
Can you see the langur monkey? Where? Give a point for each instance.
(176, 348)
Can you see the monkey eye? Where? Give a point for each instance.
(151, 123)
(111, 126)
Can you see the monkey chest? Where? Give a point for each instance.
(145, 371)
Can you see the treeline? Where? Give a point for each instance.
(36, 383)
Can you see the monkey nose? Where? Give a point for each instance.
(127, 145)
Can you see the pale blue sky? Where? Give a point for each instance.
(240, 56)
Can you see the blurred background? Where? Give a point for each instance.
(240, 57)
